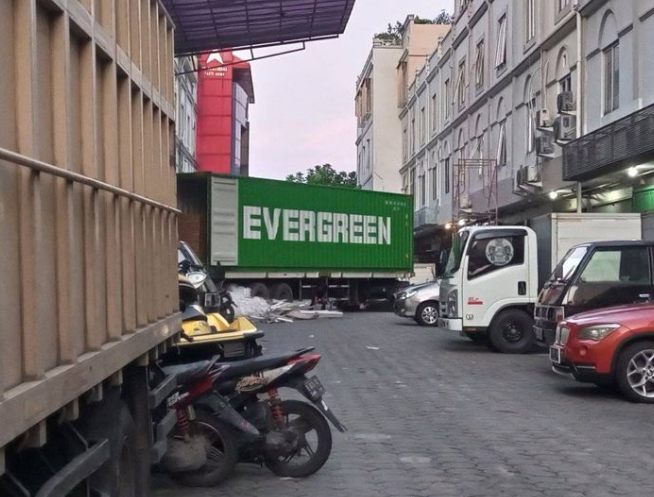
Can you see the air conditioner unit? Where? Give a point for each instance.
(565, 129)
(565, 102)
(465, 202)
(543, 121)
(545, 145)
(531, 174)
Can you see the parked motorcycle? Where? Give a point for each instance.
(296, 438)
(201, 449)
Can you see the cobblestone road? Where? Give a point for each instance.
(431, 414)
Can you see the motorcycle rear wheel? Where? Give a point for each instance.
(302, 414)
(222, 453)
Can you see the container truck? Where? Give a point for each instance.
(492, 280)
(88, 286)
(286, 240)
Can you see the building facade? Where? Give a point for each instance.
(498, 125)
(225, 92)
(379, 143)
(186, 101)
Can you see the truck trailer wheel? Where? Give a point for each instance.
(112, 421)
(258, 289)
(512, 332)
(282, 291)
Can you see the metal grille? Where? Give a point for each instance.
(625, 142)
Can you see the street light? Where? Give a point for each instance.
(632, 172)
(448, 226)
(553, 195)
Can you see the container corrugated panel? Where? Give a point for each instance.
(87, 194)
(297, 227)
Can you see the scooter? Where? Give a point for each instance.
(201, 449)
(296, 437)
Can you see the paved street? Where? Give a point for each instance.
(432, 414)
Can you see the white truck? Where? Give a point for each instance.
(494, 273)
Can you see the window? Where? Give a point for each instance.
(611, 78)
(413, 136)
(531, 19)
(423, 126)
(500, 53)
(461, 85)
(480, 153)
(422, 191)
(405, 145)
(501, 145)
(412, 182)
(531, 126)
(563, 4)
(479, 65)
(463, 5)
(565, 84)
(626, 265)
(446, 171)
(434, 112)
(446, 100)
(487, 255)
(433, 181)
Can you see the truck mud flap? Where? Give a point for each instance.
(76, 471)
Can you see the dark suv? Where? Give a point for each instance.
(593, 276)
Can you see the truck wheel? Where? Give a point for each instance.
(112, 421)
(282, 291)
(427, 314)
(634, 372)
(512, 332)
(259, 290)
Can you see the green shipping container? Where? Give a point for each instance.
(262, 225)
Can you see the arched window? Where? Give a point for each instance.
(501, 134)
(562, 72)
(609, 42)
(530, 114)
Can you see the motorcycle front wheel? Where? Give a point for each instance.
(314, 444)
(222, 453)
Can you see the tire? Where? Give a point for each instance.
(228, 313)
(112, 421)
(512, 332)
(427, 314)
(317, 421)
(636, 356)
(282, 291)
(214, 474)
(259, 290)
(478, 337)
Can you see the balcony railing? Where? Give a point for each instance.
(623, 143)
(425, 217)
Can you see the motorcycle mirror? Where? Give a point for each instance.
(196, 278)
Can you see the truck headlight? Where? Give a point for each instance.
(452, 303)
(597, 332)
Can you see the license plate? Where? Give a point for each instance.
(314, 389)
(555, 355)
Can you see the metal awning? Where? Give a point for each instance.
(209, 25)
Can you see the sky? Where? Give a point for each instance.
(304, 110)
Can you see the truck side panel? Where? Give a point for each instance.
(87, 221)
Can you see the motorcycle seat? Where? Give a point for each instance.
(248, 366)
(186, 373)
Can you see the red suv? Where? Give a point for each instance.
(613, 346)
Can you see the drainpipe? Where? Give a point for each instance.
(581, 81)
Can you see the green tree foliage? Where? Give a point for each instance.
(324, 175)
(394, 31)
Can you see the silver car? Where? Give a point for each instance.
(419, 302)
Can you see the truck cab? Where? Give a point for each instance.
(593, 276)
(490, 286)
